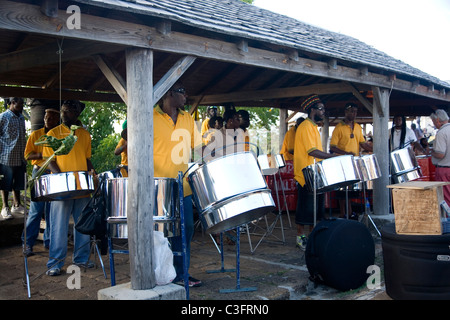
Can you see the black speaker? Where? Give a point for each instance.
(338, 253)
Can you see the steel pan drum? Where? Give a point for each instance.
(166, 213)
(368, 170)
(331, 174)
(230, 191)
(404, 165)
(63, 186)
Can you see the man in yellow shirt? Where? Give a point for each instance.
(211, 111)
(347, 136)
(122, 150)
(307, 148)
(33, 153)
(287, 149)
(347, 139)
(175, 135)
(78, 159)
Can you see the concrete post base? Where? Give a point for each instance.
(124, 292)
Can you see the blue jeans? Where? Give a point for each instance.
(37, 209)
(60, 212)
(177, 243)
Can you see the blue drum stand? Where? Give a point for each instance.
(237, 270)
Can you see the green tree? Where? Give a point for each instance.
(99, 119)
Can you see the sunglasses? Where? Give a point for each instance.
(180, 90)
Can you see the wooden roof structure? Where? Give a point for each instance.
(244, 55)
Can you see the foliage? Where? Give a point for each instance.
(248, 1)
(103, 158)
(99, 119)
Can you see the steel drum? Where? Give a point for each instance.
(166, 213)
(230, 191)
(63, 186)
(404, 165)
(368, 170)
(331, 174)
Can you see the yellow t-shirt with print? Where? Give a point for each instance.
(307, 139)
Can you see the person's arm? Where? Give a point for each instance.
(366, 146)
(320, 154)
(121, 148)
(34, 156)
(336, 150)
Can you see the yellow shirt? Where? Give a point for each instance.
(341, 137)
(75, 160)
(124, 154)
(288, 144)
(172, 144)
(307, 139)
(206, 136)
(31, 147)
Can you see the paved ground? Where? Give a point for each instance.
(274, 271)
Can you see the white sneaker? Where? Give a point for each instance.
(18, 209)
(6, 213)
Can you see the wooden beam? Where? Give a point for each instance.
(53, 94)
(378, 101)
(329, 88)
(139, 80)
(360, 97)
(113, 76)
(171, 76)
(48, 54)
(381, 150)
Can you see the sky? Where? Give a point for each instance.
(414, 31)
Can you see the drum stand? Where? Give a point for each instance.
(222, 268)
(269, 229)
(26, 280)
(367, 209)
(238, 274)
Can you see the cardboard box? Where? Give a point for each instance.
(417, 207)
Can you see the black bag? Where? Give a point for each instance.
(92, 220)
(338, 253)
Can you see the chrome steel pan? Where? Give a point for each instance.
(403, 161)
(404, 165)
(230, 191)
(166, 213)
(331, 174)
(62, 186)
(367, 167)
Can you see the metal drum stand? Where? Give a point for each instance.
(27, 281)
(238, 274)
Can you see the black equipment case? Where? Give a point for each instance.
(338, 253)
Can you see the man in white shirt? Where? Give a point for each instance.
(440, 155)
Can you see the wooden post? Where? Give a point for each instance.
(283, 127)
(381, 150)
(139, 66)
